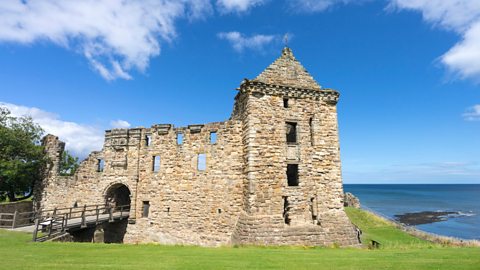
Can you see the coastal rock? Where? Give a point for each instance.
(351, 201)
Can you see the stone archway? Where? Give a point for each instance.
(117, 195)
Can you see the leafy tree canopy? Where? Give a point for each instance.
(68, 164)
(21, 156)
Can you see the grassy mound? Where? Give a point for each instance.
(382, 231)
(398, 251)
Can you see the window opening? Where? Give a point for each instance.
(148, 140)
(291, 130)
(179, 138)
(156, 163)
(286, 209)
(100, 165)
(202, 162)
(213, 137)
(285, 102)
(292, 174)
(311, 130)
(146, 208)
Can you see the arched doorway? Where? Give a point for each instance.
(117, 195)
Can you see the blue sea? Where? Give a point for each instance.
(390, 200)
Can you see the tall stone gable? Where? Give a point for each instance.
(269, 175)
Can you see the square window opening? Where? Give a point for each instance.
(292, 175)
(202, 162)
(291, 132)
(156, 163)
(145, 208)
(213, 137)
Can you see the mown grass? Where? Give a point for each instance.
(398, 251)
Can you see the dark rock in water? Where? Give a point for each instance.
(424, 217)
(351, 201)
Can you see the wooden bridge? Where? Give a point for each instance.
(49, 224)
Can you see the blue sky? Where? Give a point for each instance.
(408, 72)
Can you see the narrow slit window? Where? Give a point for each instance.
(145, 208)
(311, 131)
(286, 209)
(148, 140)
(156, 163)
(291, 130)
(100, 165)
(292, 175)
(202, 162)
(179, 138)
(285, 102)
(213, 137)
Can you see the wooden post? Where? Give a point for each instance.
(83, 224)
(50, 228)
(70, 213)
(14, 220)
(35, 230)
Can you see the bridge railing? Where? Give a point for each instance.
(16, 219)
(56, 221)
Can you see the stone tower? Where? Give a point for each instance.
(293, 186)
(269, 175)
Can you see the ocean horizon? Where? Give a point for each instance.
(393, 200)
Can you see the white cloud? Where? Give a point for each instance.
(228, 6)
(240, 42)
(472, 113)
(317, 5)
(461, 16)
(115, 36)
(80, 139)
(120, 124)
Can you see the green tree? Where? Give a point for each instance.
(22, 158)
(68, 164)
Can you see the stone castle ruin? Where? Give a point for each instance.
(269, 175)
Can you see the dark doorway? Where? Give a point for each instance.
(118, 195)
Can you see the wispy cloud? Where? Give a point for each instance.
(120, 124)
(116, 36)
(472, 113)
(461, 16)
(310, 6)
(229, 6)
(240, 42)
(80, 139)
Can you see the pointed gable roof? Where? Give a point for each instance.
(288, 71)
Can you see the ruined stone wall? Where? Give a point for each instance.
(242, 195)
(187, 205)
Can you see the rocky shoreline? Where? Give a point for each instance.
(407, 221)
(424, 217)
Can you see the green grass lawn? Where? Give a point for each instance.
(398, 251)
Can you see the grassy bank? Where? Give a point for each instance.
(398, 251)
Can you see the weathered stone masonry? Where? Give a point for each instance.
(269, 175)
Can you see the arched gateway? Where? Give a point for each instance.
(118, 195)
